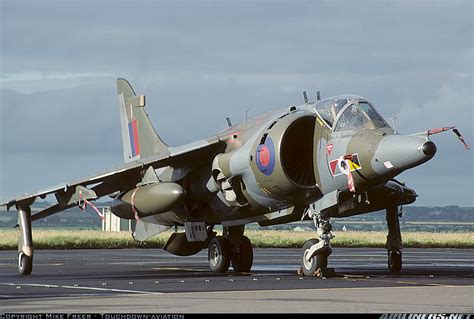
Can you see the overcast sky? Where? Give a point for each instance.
(198, 62)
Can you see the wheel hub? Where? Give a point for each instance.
(214, 255)
(307, 263)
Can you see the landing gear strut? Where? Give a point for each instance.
(315, 252)
(233, 247)
(25, 243)
(394, 240)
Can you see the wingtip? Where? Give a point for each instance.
(7, 205)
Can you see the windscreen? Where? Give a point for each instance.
(329, 108)
(359, 115)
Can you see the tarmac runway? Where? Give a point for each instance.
(153, 281)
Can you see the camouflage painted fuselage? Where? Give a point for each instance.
(271, 168)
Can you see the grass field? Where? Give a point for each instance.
(87, 239)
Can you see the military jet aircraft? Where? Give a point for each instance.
(332, 158)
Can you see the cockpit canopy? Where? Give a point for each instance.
(349, 113)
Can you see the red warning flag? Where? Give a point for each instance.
(350, 181)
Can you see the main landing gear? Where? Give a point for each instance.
(315, 252)
(233, 248)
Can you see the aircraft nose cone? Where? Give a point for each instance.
(429, 149)
(397, 153)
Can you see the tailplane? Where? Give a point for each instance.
(139, 138)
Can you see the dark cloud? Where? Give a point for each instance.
(199, 62)
(74, 121)
(245, 37)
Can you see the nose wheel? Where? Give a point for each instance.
(309, 264)
(315, 252)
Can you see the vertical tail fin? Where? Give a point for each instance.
(139, 138)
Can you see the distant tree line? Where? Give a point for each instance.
(74, 217)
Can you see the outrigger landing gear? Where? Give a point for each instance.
(233, 247)
(394, 240)
(315, 252)
(25, 243)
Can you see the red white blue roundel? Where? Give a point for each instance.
(266, 157)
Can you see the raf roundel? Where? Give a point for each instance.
(266, 157)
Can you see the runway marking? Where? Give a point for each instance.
(184, 269)
(422, 284)
(317, 289)
(84, 288)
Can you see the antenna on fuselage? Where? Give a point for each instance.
(305, 97)
(247, 114)
(229, 123)
(318, 95)
(393, 122)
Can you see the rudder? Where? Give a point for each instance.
(139, 138)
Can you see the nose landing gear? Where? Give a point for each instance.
(315, 252)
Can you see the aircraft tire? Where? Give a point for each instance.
(25, 264)
(318, 261)
(242, 260)
(219, 254)
(394, 260)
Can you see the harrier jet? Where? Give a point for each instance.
(332, 158)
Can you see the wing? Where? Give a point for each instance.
(120, 178)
